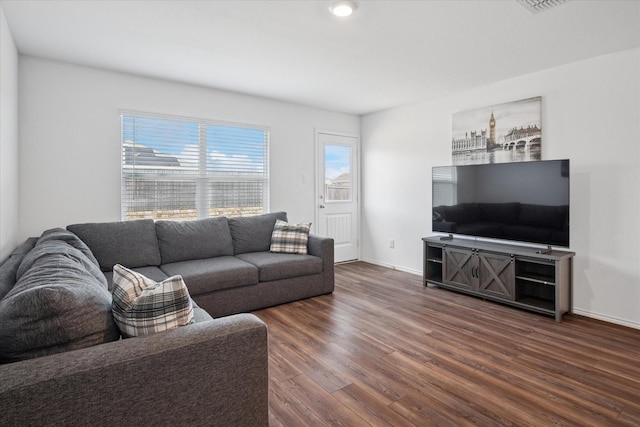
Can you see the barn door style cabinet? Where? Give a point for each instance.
(483, 272)
(515, 275)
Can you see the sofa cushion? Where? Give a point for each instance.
(200, 314)
(212, 274)
(129, 243)
(274, 266)
(142, 306)
(70, 238)
(290, 238)
(253, 233)
(203, 238)
(8, 273)
(10, 266)
(59, 303)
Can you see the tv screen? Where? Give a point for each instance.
(523, 201)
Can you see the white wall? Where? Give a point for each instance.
(70, 156)
(590, 114)
(70, 139)
(8, 140)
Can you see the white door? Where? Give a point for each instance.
(337, 193)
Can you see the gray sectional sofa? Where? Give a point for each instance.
(225, 262)
(62, 361)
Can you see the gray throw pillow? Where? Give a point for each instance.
(187, 240)
(8, 273)
(10, 266)
(253, 233)
(56, 305)
(70, 238)
(131, 243)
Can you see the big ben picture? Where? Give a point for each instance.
(509, 132)
(492, 130)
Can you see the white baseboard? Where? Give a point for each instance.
(585, 313)
(606, 318)
(393, 267)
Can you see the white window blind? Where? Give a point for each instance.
(181, 168)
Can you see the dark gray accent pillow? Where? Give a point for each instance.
(187, 240)
(8, 273)
(70, 238)
(129, 243)
(57, 305)
(253, 233)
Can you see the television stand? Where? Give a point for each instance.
(523, 277)
(449, 237)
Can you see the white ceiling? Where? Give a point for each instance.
(389, 53)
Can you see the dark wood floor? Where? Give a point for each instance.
(382, 350)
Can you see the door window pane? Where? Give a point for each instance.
(337, 173)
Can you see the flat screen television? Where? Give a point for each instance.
(522, 201)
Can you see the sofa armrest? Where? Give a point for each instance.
(322, 247)
(209, 373)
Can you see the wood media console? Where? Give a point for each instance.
(520, 276)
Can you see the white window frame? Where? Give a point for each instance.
(236, 169)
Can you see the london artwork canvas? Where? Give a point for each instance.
(509, 132)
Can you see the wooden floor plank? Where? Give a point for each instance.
(371, 410)
(383, 350)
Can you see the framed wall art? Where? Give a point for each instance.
(509, 132)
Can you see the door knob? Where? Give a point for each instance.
(321, 206)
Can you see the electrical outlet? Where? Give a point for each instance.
(392, 243)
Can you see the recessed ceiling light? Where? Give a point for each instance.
(343, 8)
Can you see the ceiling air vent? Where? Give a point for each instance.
(535, 6)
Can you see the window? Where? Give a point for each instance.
(180, 168)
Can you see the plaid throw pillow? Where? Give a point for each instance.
(142, 306)
(290, 238)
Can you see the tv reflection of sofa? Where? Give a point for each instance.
(512, 221)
